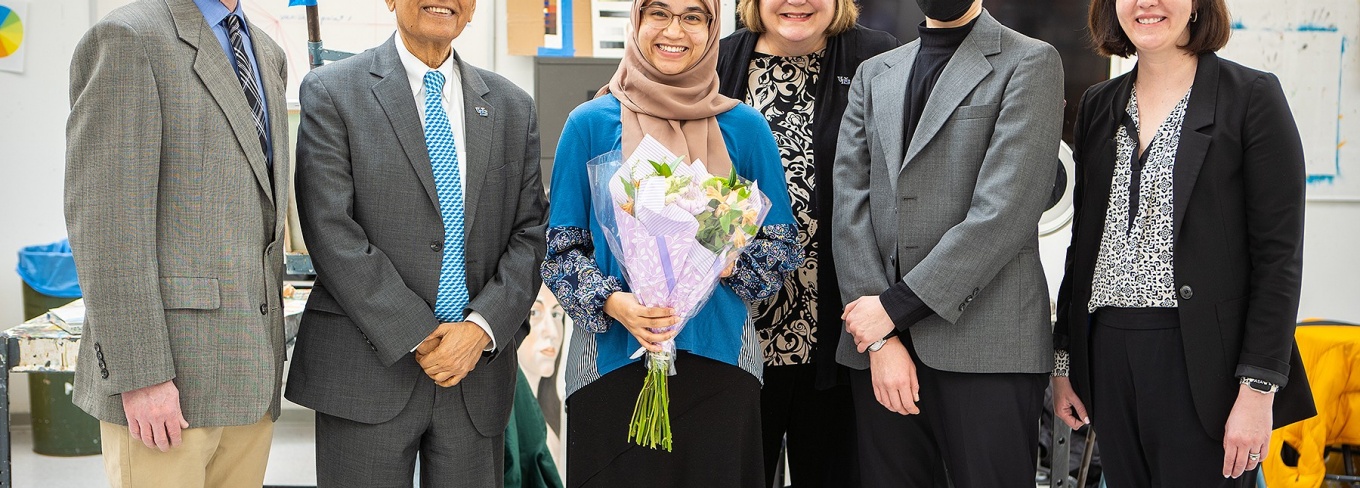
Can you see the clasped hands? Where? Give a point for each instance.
(650, 326)
(891, 368)
(451, 352)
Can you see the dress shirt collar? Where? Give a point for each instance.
(416, 69)
(214, 12)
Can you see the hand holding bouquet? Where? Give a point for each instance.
(674, 229)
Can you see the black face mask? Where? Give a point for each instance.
(944, 10)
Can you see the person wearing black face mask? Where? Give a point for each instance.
(947, 318)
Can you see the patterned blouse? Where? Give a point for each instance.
(1135, 267)
(781, 88)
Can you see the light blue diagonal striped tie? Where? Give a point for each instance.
(452, 299)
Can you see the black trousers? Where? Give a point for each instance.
(974, 430)
(1149, 431)
(820, 425)
(715, 427)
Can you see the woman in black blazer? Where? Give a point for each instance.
(793, 62)
(1181, 290)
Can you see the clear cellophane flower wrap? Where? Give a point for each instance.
(674, 229)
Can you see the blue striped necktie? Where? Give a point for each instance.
(245, 73)
(452, 299)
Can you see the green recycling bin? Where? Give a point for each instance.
(59, 427)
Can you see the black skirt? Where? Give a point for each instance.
(715, 425)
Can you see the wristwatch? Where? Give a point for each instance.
(878, 344)
(1260, 386)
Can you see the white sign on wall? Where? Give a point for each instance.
(13, 29)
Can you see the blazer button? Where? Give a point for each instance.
(264, 309)
(436, 246)
(1187, 292)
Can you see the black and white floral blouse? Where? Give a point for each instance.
(780, 87)
(1135, 267)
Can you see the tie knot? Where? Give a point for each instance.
(434, 82)
(233, 22)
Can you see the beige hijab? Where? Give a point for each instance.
(678, 110)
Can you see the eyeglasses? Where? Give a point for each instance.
(660, 18)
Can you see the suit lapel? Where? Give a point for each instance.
(267, 58)
(1100, 168)
(213, 68)
(965, 70)
(479, 121)
(1194, 144)
(889, 90)
(393, 92)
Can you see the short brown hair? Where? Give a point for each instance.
(1208, 33)
(847, 13)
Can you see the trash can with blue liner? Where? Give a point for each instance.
(59, 427)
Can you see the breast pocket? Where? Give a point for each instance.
(986, 111)
(178, 293)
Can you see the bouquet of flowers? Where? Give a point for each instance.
(674, 229)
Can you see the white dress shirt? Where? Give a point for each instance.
(453, 106)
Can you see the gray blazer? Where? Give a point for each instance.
(175, 219)
(959, 212)
(369, 210)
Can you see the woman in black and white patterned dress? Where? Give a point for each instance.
(793, 63)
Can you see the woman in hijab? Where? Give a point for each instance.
(666, 87)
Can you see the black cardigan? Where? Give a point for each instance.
(844, 53)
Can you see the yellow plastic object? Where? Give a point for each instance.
(1331, 356)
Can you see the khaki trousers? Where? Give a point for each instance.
(208, 457)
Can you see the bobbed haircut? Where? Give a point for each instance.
(1208, 33)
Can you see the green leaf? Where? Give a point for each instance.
(628, 187)
(662, 169)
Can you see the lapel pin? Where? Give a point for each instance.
(481, 111)
(845, 80)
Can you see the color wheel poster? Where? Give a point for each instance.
(13, 23)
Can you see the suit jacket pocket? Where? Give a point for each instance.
(190, 293)
(987, 111)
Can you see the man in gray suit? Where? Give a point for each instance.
(420, 195)
(176, 186)
(947, 154)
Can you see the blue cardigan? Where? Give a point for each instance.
(582, 272)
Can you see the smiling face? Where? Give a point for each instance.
(1155, 26)
(797, 21)
(673, 47)
(431, 24)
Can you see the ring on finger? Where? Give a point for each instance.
(1253, 456)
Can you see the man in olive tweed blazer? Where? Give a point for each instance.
(176, 214)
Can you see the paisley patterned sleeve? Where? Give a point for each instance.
(763, 265)
(571, 273)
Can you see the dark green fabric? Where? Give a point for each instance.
(528, 463)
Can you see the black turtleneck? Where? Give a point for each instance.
(938, 45)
